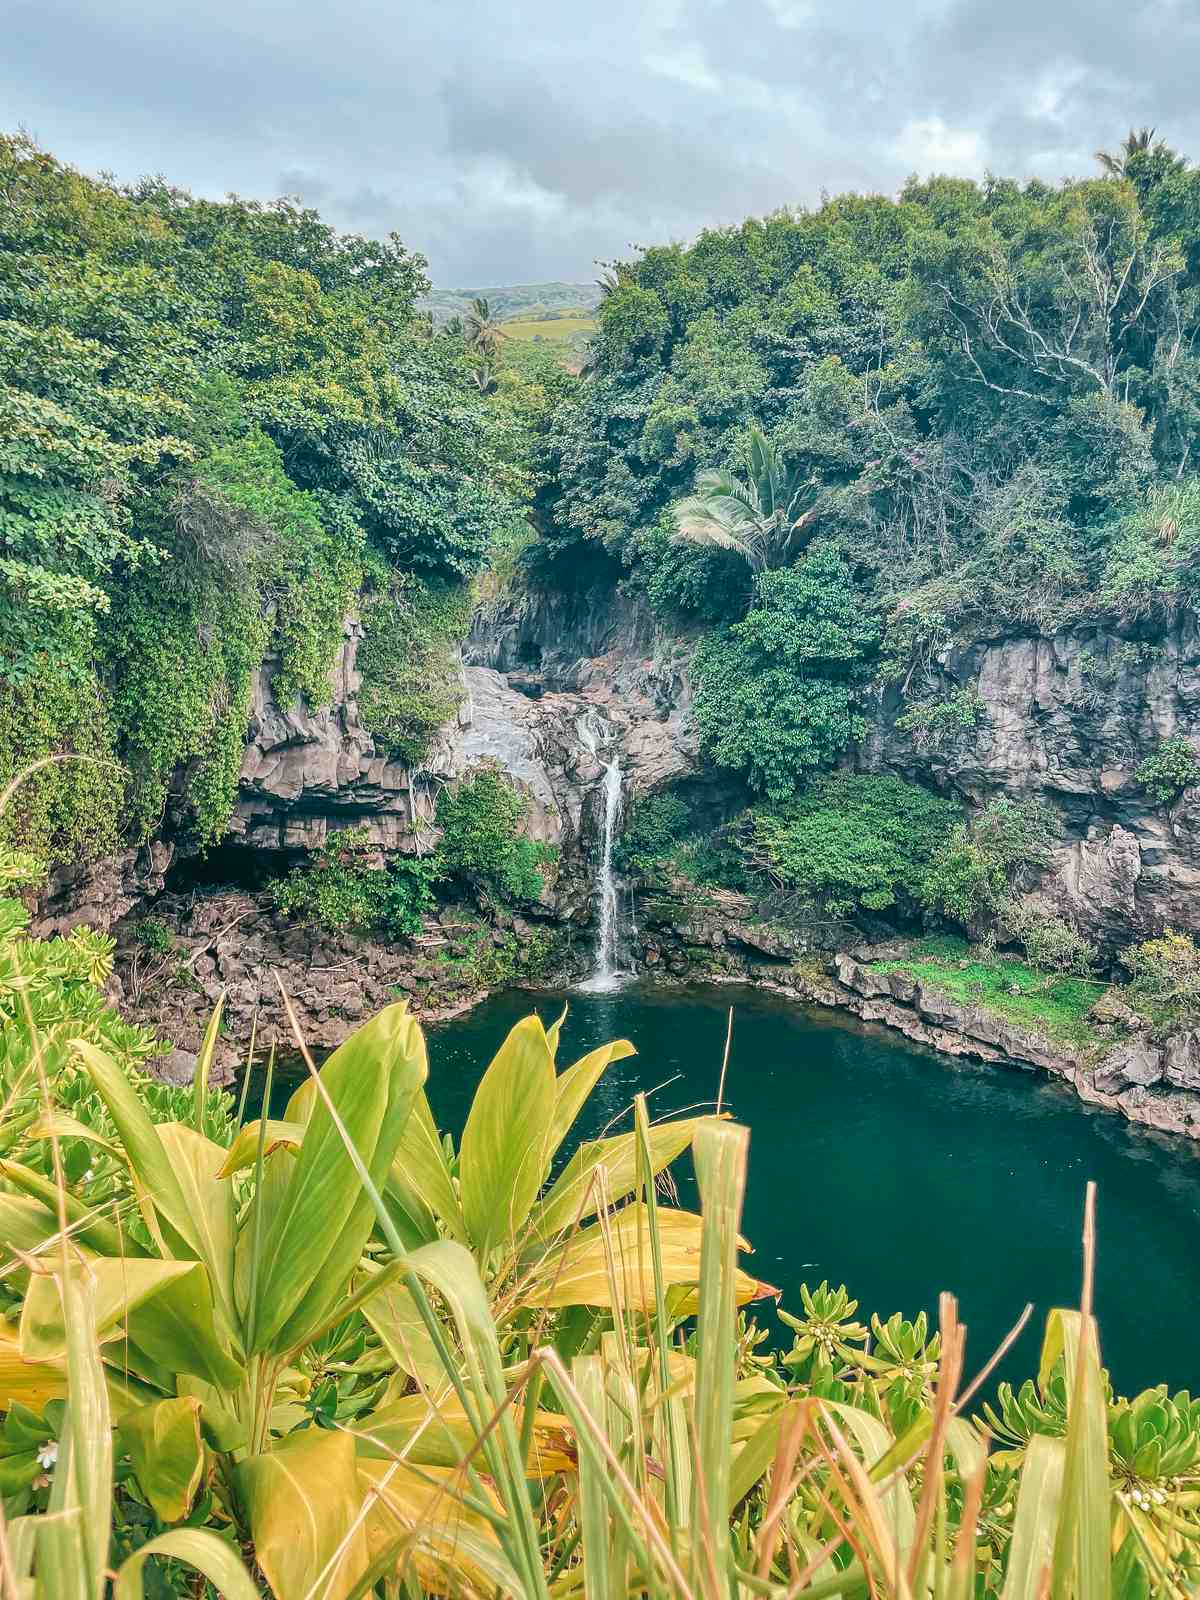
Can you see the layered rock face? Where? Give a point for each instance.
(1068, 718)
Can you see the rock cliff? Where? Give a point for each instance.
(1068, 717)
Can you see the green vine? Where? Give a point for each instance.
(408, 660)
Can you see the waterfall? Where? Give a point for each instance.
(606, 974)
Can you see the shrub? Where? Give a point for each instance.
(1166, 971)
(1050, 943)
(852, 842)
(346, 886)
(968, 877)
(935, 724)
(777, 694)
(482, 844)
(1172, 768)
(657, 824)
(153, 934)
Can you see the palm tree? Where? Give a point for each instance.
(481, 329)
(1142, 159)
(765, 520)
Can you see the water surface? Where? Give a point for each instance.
(897, 1171)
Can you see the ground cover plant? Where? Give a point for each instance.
(1046, 1001)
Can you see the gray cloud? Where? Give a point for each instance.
(525, 139)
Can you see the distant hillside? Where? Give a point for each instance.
(529, 301)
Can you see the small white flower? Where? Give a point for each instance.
(47, 1455)
(89, 1175)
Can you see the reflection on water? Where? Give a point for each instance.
(897, 1171)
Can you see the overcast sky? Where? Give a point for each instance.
(522, 140)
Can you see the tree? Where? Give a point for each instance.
(481, 329)
(766, 520)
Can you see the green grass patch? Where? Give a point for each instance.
(1052, 1005)
(559, 328)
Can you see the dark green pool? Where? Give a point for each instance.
(898, 1171)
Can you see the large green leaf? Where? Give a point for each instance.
(504, 1153)
(73, 1544)
(316, 1233)
(1035, 1525)
(197, 1548)
(420, 1176)
(573, 1086)
(302, 1500)
(165, 1306)
(720, 1153)
(396, 1318)
(153, 1170)
(1082, 1557)
(86, 1225)
(163, 1441)
(576, 1193)
(197, 1162)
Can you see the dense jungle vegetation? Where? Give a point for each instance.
(970, 404)
(223, 427)
(828, 443)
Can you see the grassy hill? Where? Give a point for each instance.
(533, 302)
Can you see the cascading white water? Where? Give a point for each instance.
(605, 974)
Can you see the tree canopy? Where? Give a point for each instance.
(217, 419)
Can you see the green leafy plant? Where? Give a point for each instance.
(481, 843)
(1166, 973)
(777, 694)
(409, 663)
(1172, 768)
(936, 724)
(346, 884)
(968, 878)
(851, 842)
(1050, 942)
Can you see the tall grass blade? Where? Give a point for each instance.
(720, 1155)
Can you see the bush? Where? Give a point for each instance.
(1166, 971)
(1050, 943)
(969, 876)
(1172, 768)
(482, 844)
(345, 886)
(934, 724)
(657, 824)
(852, 842)
(777, 694)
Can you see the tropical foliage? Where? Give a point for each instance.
(338, 1354)
(217, 417)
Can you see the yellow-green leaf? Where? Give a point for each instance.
(243, 1152)
(1036, 1521)
(573, 1086)
(504, 1153)
(302, 1500)
(163, 1441)
(317, 1231)
(588, 1269)
(577, 1195)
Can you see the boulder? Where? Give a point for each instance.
(1134, 1063)
(1181, 1060)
